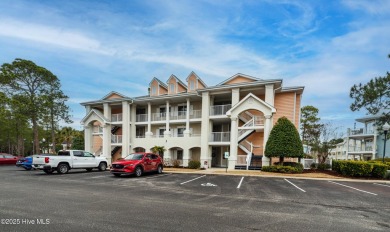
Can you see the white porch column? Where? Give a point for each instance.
(167, 133)
(233, 143)
(125, 128)
(133, 116)
(235, 96)
(205, 155)
(107, 133)
(187, 130)
(149, 133)
(269, 94)
(267, 129)
(186, 157)
(88, 139)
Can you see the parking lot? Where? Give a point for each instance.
(86, 201)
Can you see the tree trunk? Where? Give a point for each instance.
(53, 136)
(281, 160)
(36, 136)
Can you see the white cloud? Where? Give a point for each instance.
(61, 37)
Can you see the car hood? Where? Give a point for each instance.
(127, 162)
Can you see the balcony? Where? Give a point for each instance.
(361, 149)
(177, 115)
(195, 114)
(159, 116)
(360, 131)
(116, 138)
(220, 137)
(219, 109)
(116, 117)
(141, 118)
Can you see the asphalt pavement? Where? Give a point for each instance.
(98, 201)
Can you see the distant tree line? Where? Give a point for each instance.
(32, 105)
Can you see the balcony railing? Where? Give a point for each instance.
(361, 149)
(177, 115)
(141, 118)
(116, 117)
(220, 137)
(361, 131)
(219, 109)
(116, 138)
(196, 114)
(159, 116)
(258, 120)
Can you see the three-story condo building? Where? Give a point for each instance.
(193, 121)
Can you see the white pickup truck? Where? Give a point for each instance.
(69, 159)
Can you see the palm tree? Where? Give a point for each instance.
(67, 134)
(159, 150)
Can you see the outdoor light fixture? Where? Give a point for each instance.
(386, 128)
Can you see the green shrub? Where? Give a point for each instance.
(282, 169)
(379, 170)
(323, 166)
(336, 165)
(296, 165)
(194, 164)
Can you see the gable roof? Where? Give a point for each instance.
(177, 80)
(162, 84)
(251, 95)
(197, 77)
(112, 93)
(239, 75)
(97, 113)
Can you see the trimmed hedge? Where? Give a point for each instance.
(281, 169)
(296, 165)
(193, 164)
(359, 168)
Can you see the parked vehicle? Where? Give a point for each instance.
(25, 162)
(137, 164)
(8, 159)
(69, 159)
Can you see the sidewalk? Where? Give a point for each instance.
(313, 176)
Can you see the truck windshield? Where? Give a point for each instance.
(134, 157)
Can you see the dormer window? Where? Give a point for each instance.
(172, 88)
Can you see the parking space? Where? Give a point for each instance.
(257, 187)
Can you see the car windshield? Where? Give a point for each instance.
(134, 157)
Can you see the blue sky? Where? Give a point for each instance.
(95, 47)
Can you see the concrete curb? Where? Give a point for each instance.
(260, 174)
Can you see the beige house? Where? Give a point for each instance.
(193, 121)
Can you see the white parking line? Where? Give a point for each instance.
(295, 185)
(239, 185)
(193, 179)
(353, 188)
(383, 185)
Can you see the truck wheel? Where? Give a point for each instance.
(159, 169)
(89, 169)
(48, 171)
(62, 168)
(138, 172)
(102, 166)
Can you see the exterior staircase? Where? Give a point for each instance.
(115, 150)
(252, 160)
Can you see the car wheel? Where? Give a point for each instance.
(117, 174)
(159, 169)
(89, 169)
(49, 171)
(102, 166)
(62, 168)
(138, 172)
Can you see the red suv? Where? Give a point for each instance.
(137, 163)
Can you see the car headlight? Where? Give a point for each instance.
(129, 165)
